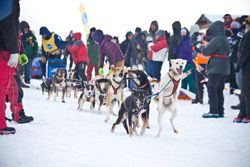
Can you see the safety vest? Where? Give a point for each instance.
(49, 44)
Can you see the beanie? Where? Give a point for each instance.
(129, 33)
(160, 33)
(93, 29)
(44, 31)
(138, 29)
(24, 25)
(98, 36)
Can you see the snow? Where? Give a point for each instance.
(62, 136)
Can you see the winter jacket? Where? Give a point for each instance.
(93, 52)
(125, 50)
(218, 49)
(29, 45)
(244, 50)
(9, 30)
(234, 44)
(78, 50)
(184, 50)
(175, 40)
(158, 45)
(111, 50)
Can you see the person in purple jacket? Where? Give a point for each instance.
(109, 49)
(184, 51)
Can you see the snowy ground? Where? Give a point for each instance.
(60, 136)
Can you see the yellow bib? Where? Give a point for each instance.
(49, 44)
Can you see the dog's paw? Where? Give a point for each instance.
(63, 101)
(175, 130)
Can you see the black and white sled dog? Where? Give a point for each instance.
(72, 84)
(87, 95)
(59, 83)
(101, 91)
(133, 106)
(140, 80)
(47, 86)
(168, 96)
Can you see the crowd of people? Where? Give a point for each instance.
(220, 55)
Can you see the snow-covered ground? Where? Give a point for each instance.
(60, 136)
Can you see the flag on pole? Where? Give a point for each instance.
(84, 20)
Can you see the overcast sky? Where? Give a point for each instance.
(116, 17)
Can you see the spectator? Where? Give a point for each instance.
(79, 55)
(244, 65)
(124, 47)
(93, 54)
(52, 45)
(157, 54)
(175, 40)
(109, 49)
(184, 51)
(218, 68)
(30, 49)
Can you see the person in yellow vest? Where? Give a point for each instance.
(52, 45)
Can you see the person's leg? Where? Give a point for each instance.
(212, 94)
(89, 71)
(4, 77)
(246, 90)
(221, 85)
(96, 69)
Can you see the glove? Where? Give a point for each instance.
(101, 71)
(23, 59)
(13, 61)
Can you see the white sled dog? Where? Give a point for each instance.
(170, 83)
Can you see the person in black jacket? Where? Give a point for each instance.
(244, 65)
(218, 68)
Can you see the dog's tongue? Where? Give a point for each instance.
(179, 70)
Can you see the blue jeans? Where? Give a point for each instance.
(28, 71)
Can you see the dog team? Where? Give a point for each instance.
(107, 90)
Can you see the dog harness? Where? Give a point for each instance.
(176, 83)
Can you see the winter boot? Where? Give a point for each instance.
(7, 131)
(246, 120)
(238, 120)
(23, 118)
(210, 115)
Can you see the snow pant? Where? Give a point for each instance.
(15, 96)
(5, 74)
(28, 71)
(232, 78)
(245, 93)
(189, 82)
(199, 86)
(80, 69)
(239, 79)
(215, 87)
(90, 69)
(154, 69)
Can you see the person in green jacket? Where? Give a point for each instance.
(29, 48)
(93, 52)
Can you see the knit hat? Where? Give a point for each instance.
(24, 25)
(44, 31)
(160, 33)
(138, 29)
(129, 33)
(235, 25)
(93, 29)
(98, 36)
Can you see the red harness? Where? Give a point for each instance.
(176, 83)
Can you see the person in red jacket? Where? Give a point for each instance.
(157, 54)
(79, 55)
